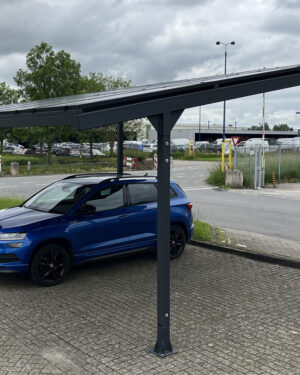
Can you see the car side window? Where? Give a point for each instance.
(145, 193)
(172, 193)
(107, 199)
(142, 193)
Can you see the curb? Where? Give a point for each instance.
(248, 254)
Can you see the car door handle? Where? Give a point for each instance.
(122, 217)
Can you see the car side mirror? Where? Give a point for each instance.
(86, 209)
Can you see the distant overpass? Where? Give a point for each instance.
(214, 132)
(212, 135)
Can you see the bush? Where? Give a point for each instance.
(202, 231)
(140, 155)
(216, 177)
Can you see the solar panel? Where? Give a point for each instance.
(86, 111)
(150, 90)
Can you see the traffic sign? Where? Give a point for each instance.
(235, 140)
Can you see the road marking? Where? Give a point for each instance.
(28, 182)
(41, 184)
(4, 186)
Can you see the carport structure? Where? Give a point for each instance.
(162, 104)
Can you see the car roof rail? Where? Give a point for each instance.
(135, 176)
(110, 175)
(95, 174)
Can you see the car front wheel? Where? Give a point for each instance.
(50, 265)
(177, 241)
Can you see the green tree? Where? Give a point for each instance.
(259, 127)
(282, 127)
(48, 75)
(95, 82)
(7, 96)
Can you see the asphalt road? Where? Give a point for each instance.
(247, 210)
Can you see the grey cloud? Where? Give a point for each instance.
(294, 4)
(154, 41)
(177, 3)
(284, 21)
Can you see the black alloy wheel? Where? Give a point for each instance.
(177, 241)
(50, 265)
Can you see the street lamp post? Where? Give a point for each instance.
(225, 71)
(199, 138)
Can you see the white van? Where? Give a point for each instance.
(251, 143)
(218, 142)
(288, 143)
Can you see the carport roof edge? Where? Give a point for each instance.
(101, 108)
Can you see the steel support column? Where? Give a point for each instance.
(163, 125)
(120, 149)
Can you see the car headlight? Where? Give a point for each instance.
(12, 236)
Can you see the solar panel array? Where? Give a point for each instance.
(133, 93)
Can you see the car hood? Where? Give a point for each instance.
(21, 217)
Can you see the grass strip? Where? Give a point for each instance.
(198, 155)
(202, 231)
(10, 202)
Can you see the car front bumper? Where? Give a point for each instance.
(13, 259)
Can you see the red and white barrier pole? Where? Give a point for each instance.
(0, 164)
(263, 141)
(155, 161)
(129, 162)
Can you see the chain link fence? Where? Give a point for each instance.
(281, 164)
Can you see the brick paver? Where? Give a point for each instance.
(229, 315)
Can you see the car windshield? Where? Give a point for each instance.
(58, 198)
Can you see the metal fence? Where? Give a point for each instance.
(281, 163)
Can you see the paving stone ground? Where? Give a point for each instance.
(229, 315)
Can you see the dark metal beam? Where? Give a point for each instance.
(53, 118)
(156, 120)
(120, 149)
(163, 124)
(173, 103)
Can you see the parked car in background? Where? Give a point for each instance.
(86, 152)
(216, 146)
(288, 143)
(84, 217)
(67, 151)
(201, 145)
(14, 149)
(8, 149)
(133, 145)
(251, 144)
(150, 147)
(180, 144)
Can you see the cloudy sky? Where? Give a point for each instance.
(150, 41)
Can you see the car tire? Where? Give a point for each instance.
(50, 265)
(177, 241)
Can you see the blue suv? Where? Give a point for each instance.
(84, 217)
